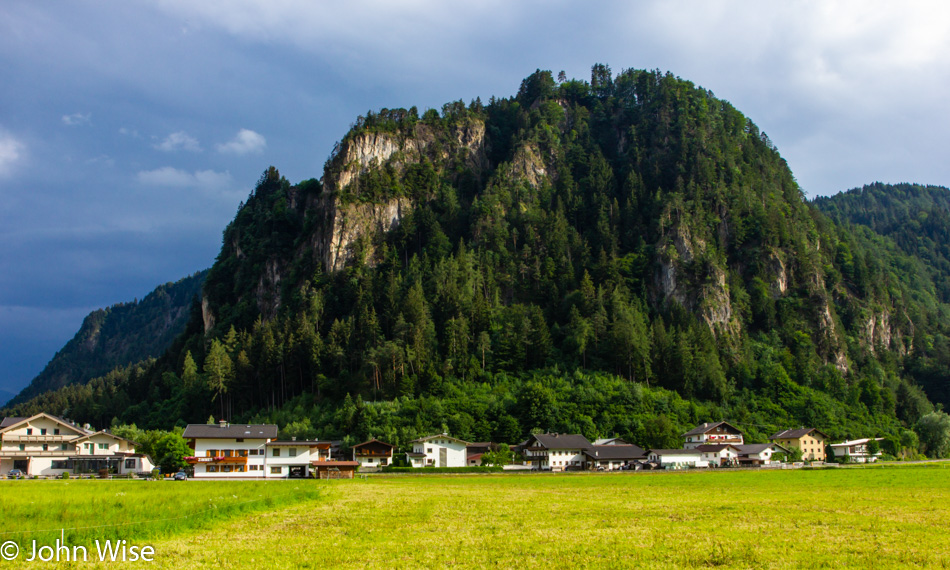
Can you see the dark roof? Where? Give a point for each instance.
(708, 427)
(715, 447)
(796, 433)
(374, 440)
(207, 431)
(561, 441)
(7, 422)
(751, 448)
(615, 452)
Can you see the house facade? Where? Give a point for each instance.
(856, 451)
(373, 454)
(45, 445)
(677, 458)
(712, 433)
(613, 456)
(811, 441)
(719, 454)
(229, 451)
(752, 454)
(556, 452)
(437, 451)
(293, 458)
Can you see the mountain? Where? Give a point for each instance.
(119, 335)
(628, 255)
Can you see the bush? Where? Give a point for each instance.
(64, 475)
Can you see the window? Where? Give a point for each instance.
(239, 440)
(275, 470)
(61, 464)
(63, 447)
(42, 431)
(22, 447)
(55, 431)
(227, 453)
(130, 464)
(242, 453)
(276, 453)
(29, 431)
(212, 452)
(211, 469)
(292, 452)
(225, 468)
(239, 469)
(103, 446)
(45, 447)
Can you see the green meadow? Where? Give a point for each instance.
(848, 517)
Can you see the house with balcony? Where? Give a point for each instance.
(856, 450)
(757, 454)
(228, 451)
(294, 459)
(373, 454)
(712, 433)
(556, 452)
(811, 441)
(437, 451)
(719, 454)
(46, 445)
(613, 456)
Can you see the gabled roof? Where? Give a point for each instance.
(708, 427)
(797, 433)
(862, 441)
(208, 431)
(439, 436)
(754, 448)
(10, 421)
(295, 443)
(18, 421)
(610, 441)
(102, 432)
(374, 440)
(615, 452)
(559, 441)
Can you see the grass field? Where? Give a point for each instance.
(882, 518)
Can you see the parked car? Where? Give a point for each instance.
(181, 476)
(16, 474)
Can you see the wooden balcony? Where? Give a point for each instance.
(49, 438)
(216, 460)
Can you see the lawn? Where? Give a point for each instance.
(882, 518)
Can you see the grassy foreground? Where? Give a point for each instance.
(847, 517)
(881, 518)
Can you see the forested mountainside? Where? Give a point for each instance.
(628, 255)
(118, 336)
(917, 219)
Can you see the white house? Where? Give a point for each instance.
(612, 456)
(373, 454)
(47, 445)
(225, 450)
(719, 454)
(437, 451)
(672, 458)
(556, 452)
(293, 458)
(856, 450)
(759, 453)
(712, 433)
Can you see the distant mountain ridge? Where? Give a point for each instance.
(117, 336)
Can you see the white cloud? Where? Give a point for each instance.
(129, 132)
(172, 177)
(246, 142)
(77, 119)
(11, 153)
(179, 141)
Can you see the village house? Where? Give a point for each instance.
(227, 451)
(556, 452)
(612, 456)
(811, 441)
(373, 454)
(752, 454)
(856, 450)
(437, 451)
(292, 459)
(46, 445)
(719, 454)
(712, 433)
(334, 469)
(677, 458)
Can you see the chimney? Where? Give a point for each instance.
(222, 423)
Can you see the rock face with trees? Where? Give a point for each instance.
(628, 255)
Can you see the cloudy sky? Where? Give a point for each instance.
(131, 131)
